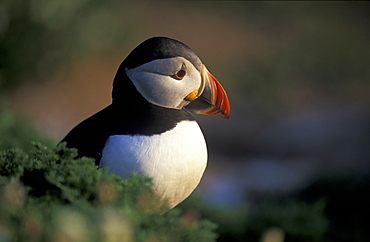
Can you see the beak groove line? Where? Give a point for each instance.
(220, 102)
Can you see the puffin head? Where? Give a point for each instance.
(169, 74)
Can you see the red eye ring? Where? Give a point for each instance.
(180, 74)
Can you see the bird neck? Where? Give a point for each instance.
(124, 92)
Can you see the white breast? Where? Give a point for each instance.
(175, 159)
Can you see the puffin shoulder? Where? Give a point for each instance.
(90, 135)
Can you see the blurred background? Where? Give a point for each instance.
(292, 161)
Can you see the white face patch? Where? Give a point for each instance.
(155, 81)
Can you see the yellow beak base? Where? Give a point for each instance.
(192, 96)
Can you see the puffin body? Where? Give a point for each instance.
(176, 170)
(148, 128)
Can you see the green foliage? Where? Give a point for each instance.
(47, 195)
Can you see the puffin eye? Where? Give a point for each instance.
(180, 74)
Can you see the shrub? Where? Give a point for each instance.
(47, 194)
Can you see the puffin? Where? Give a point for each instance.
(148, 128)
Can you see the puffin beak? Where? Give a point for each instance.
(213, 99)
